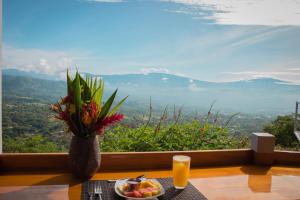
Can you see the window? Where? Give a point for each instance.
(197, 78)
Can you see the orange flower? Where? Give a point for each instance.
(89, 113)
(55, 107)
(86, 118)
(93, 109)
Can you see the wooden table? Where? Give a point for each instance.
(235, 182)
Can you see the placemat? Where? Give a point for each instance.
(36, 192)
(189, 193)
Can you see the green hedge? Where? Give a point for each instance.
(177, 137)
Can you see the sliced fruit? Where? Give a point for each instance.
(147, 188)
(129, 194)
(155, 192)
(156, 184)
(147, 194)
(146, 184)
(125, 187)
(150, 189)
(137, 194)
(143, 190)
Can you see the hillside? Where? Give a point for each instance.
(258, 96)
(26, 113)
(31, 89)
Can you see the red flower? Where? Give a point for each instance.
(107, 121)
(93, 109)
(89, 113)
(63, 116)
(67, 99)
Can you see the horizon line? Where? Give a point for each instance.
(281, 81)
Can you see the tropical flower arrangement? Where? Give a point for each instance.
(83, 110)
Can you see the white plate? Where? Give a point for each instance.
(123, 181)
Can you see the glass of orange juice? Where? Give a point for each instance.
(181, 171)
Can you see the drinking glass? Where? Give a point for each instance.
(181, 170)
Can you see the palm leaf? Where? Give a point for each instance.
(95, 85)
(91, 86)
(99, 93)
(114, 109)
(87, 92)
(87, 80)
(69, 82)
(107, 105)
(77, 92)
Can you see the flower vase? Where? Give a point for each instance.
(84, 156)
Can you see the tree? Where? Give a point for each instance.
(283, 130)
(30, 144)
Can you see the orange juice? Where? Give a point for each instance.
(181, 170)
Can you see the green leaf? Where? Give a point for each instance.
(77, 92)
(87, 80)
(114, 109)
(86, 96)
(107, 105)
(69, 82)
(95, 85)
(99, 93)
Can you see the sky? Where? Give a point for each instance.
(212, 40)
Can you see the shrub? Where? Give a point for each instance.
(283, 130)
(172, 137)
(30, 144)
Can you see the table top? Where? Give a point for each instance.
(234, 182)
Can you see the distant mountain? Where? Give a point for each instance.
(264, 95)
(16, 72)
(169, 80)
(30, 89)
(155, 79)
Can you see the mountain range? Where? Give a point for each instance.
(261, 96)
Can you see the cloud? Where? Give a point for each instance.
(291, 75)
(178, 11)
(155, 70)
(161, 70)
(259, 37)
(232, 40)
(243, 12)
(293, 69)
(42, 61)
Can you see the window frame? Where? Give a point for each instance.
(1, 65)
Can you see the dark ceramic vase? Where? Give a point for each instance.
(84, 156)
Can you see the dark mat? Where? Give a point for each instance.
(108, 192)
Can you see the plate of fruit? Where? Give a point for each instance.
(139, 188)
